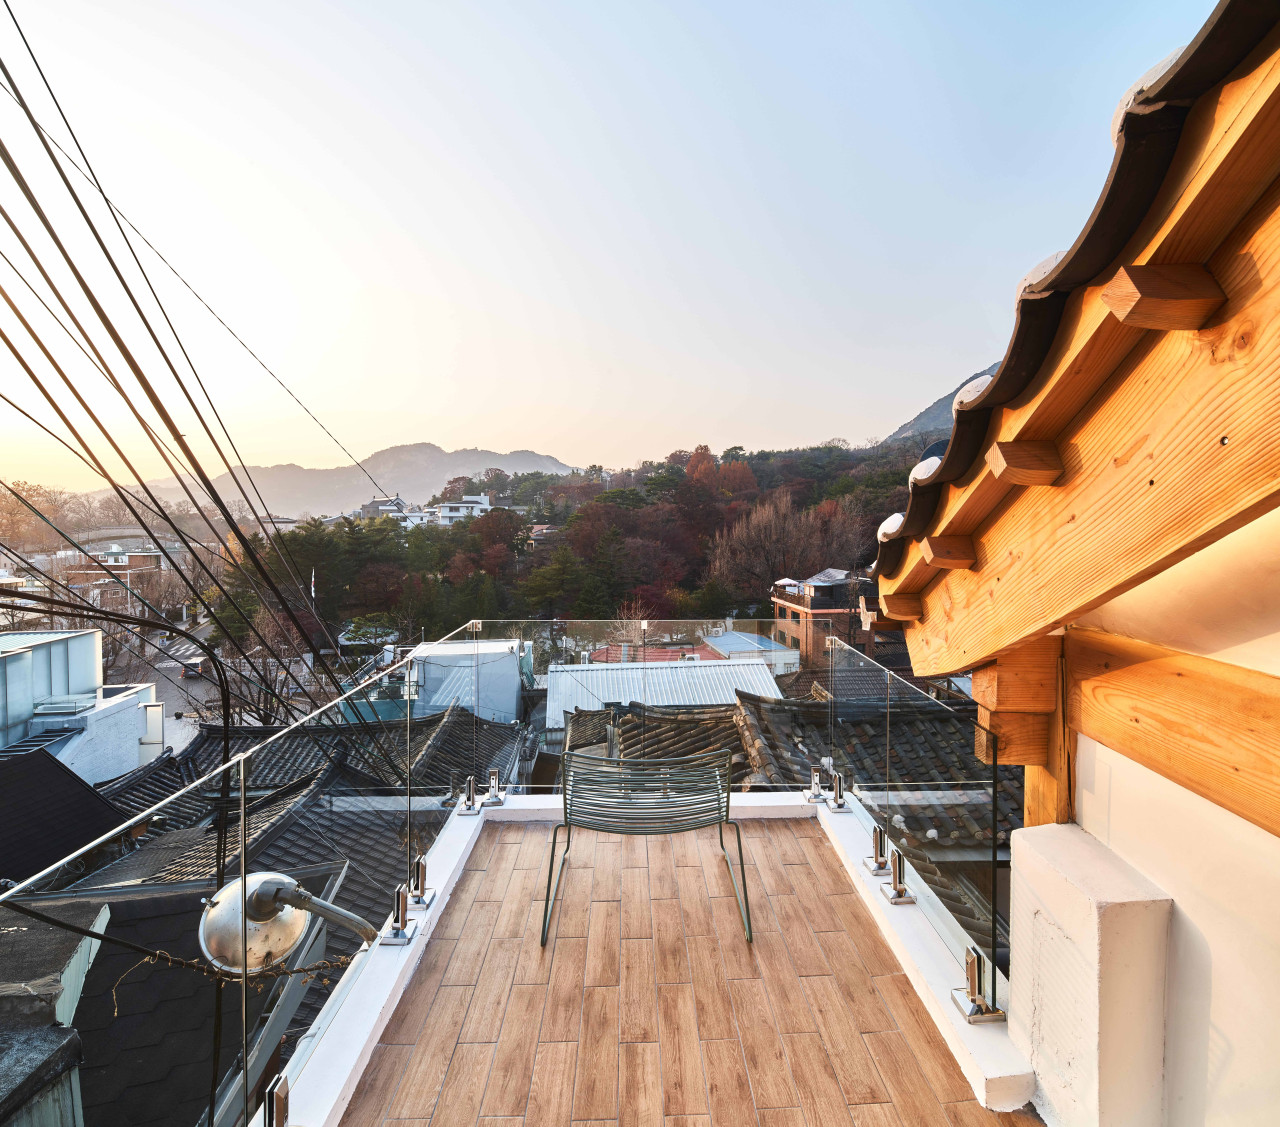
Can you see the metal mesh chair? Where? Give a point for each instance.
(645, 796)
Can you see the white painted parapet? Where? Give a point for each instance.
(1089, 945)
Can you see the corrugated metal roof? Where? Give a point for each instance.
(21, 640)
(662, 683)
(736, 642)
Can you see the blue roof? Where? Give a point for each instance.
(736, 642)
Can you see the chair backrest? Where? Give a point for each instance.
(645, 796)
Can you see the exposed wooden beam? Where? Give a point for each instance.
(1207, 726)
(1025, 463)
(1229, 151)
(1022, 680)
(1166, 296)
(904, 608)
(951, 552)
(1022, 738)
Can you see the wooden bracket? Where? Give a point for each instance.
(1025, 463)
(1164, 296)
(903, 606)
(1022, 737)
(952, 552)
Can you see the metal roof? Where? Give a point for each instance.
(736, 642)
(24, 639)
(590, 687)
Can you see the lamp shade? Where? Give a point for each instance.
(274, 928)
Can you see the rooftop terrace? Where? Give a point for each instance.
(648, 1008)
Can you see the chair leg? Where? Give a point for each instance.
(551, 866)
(744, 901)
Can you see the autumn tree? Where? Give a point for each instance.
(777, 540)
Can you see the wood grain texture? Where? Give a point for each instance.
(1024, 463)
(785, 993)
(411, 1011)
(865, 933)
(913, 1099)
(728, 1089)
(489, 1001)
(1218, 172)
(683, 1091)
(574, 910)
(551, 1092)
(856, 985)
(640, 1086)
(710, 990)
(806, 954)
(1168, 296)
(1019, 738)
(473, 943)
(950, 552)
(820, 1095)
(607, 874)
(1022, 680)
(602, 943)
(850, 1060)
(662, 869)
(458, 905)
(695, 905)
(534, 964)
(508, 1088)
(636, 922)
(521, 888)
(668, 941)
(464, 1083)
(563, 1011)
(1209, 727)
(781, 1117)
(595, 1090)
(738, 955)
(762, 1048)
(639, 1017)
(416, 1096)
(378, 1083)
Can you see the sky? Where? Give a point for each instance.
(600, 230)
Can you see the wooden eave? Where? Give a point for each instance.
(1126, 406)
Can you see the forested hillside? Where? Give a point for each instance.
(694, 534)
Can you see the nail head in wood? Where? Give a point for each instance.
(1164, 296)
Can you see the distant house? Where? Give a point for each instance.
(737, 645)
(450, 512)
(52, 697)
(807, 611)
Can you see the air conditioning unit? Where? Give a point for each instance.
(690, 657)
(716, 631)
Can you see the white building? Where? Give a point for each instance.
(52, 696)
(487, 672)
(450, 512)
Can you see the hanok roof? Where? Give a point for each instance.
(1083, 377)
(46, 813)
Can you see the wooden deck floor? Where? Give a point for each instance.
(648, 1008)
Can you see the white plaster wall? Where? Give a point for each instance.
(111, 743)
(1222, 1035)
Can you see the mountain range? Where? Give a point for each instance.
(417, 472)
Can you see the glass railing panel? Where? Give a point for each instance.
(918, 762)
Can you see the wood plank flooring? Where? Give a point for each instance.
(648, 1008)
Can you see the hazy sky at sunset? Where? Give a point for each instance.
(600, 230)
